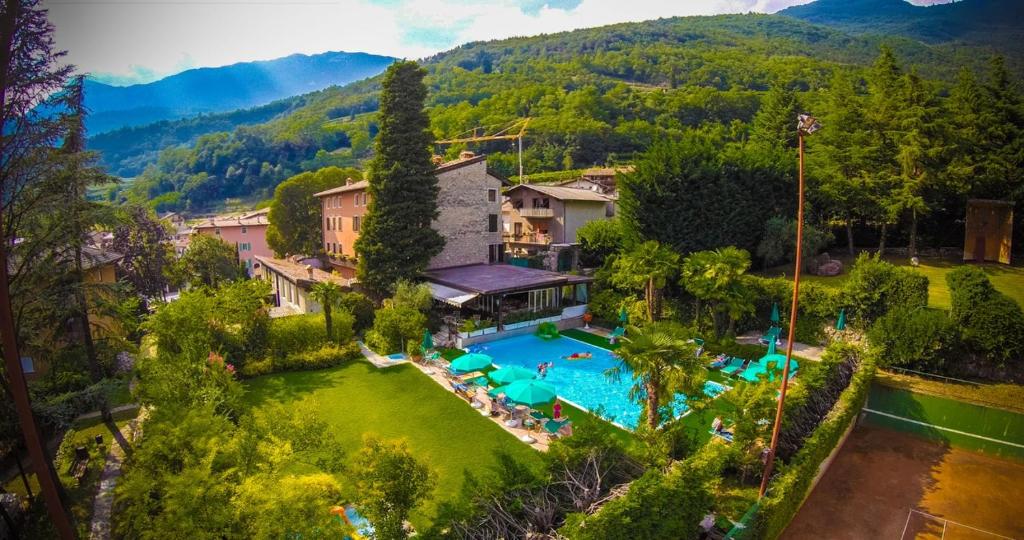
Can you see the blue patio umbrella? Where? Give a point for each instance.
(775, 314)
(841, 321)
(510, 374)
(527, 392)
(471, 362)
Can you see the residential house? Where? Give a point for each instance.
(469, 216)
(181, 232)
(99, 267)
(538, 216)
(600, 180)
(246, 231)
(291, 282)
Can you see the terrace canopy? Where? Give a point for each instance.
(501, 291)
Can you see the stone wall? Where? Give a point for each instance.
(464, 208)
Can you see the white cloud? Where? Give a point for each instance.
(146, 39)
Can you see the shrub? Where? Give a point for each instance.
(875, 286)
(599, 239)
(393, 326)
(297, 333)
(991, 322)
(326, 356)
(360, 307)
(255, 368)
(915, 337)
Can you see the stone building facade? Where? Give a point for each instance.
(469, 216)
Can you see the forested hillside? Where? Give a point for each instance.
(991, 22)
(208, 90)
(596, 96)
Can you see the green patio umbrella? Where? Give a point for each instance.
(510, 374)
(623, 316)
(471, 362)
(527, 392)
(771, 347)
(841, 321)
(775, 314)
(428, 341)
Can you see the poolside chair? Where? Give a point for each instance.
(724, 435)
(554, 427)
(735, 366)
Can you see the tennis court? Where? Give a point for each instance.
(888, 484)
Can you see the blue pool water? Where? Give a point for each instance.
(580, 381)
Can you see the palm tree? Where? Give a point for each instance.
(648, 265)
(327, 294)
(661, 361)
(719, 277)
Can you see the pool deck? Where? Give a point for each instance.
(379, 360)
(436, 372)
(803, 350)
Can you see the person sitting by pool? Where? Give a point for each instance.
(557, 409)
(716, 425)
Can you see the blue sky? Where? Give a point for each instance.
(126, 42)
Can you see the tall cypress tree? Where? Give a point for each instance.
(396, 240)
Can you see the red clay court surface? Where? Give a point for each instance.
(885, 484)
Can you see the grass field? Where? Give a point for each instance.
(887, 484)
(399, 402)
(1007, 279)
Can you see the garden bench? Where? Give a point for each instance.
(80, 465)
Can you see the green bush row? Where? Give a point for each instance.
(791, 486)
(300, 333)
(328, 355)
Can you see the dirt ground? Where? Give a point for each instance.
(890, 485)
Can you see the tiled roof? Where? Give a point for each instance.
(563, 193)
(354, 186)
(94, 257)
(303, 275)
(499, 278)
(246, 219)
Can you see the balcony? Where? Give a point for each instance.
(536, 212)
(534, 238)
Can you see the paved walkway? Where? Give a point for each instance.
(380, 360)
(115, 410)
(104, 501)
(810, 352)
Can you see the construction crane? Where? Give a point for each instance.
(509, 131)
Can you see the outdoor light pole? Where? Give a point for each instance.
(806, 125)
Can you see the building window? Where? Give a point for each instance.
(338, 225)
(492, 195)
(355, 223)
(245, 230)
(542, 203)
(492, 223)
(518, 229)
(216, 231)
(495, 253)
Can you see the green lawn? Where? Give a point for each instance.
(1007, 279)
(400, 402)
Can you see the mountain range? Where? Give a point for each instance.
(997, 23)
(227, 88)
(595, 94)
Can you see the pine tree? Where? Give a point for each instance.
(775, 123)
(885, 88)
(396, 240)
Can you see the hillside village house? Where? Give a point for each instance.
(247, 232)
(291, 282)
(468, 204)
(599, 180)
(181, 232)
(99, 266)
(538, 217)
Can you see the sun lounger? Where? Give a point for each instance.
(724, 435)
(719, 362)
(554, 427)
(735, 366)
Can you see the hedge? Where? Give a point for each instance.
(301, 333)
(328, 355)
(790, 487)
(990, 321)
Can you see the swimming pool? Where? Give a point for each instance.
(581, 382)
